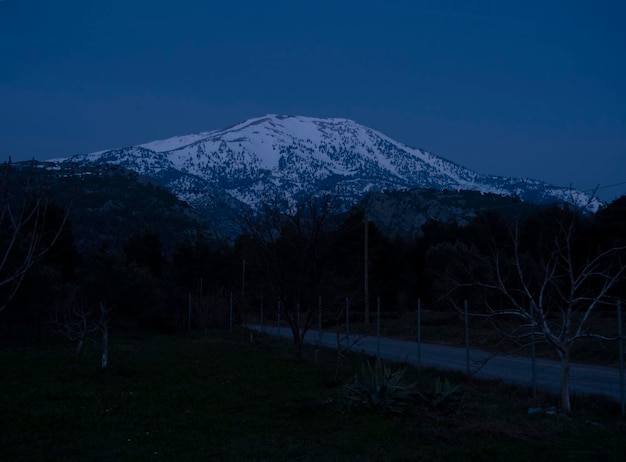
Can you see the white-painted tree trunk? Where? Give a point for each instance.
(80, 344)
(566, 406)
(105, 345)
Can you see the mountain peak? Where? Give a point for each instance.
(296, 157)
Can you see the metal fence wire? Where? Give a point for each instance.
(456, 340)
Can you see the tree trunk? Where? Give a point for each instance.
(565, 397)
(79, 346)
(298, 336)
(105, 346)
(298, 347)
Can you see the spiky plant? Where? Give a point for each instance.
(443, 396)
(379, 389)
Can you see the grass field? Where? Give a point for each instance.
(218, 396)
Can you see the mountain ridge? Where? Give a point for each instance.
(296, 157)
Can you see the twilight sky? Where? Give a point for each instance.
(529, 88)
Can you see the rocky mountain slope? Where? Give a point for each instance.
(225, 172)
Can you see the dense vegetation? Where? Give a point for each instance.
(108, 203)
(135, 247)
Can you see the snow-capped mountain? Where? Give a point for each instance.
(297, 157)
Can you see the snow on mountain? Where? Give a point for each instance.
(297, 157)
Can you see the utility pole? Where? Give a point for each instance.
(243, 278)
(366, 269)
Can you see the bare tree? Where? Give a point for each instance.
(80, 324)
(75, 324)
(552, 282)
(25, 234)
(290, 251)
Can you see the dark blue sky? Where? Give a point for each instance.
(518, 88)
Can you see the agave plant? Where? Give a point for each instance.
(443, 396)
(379, 389)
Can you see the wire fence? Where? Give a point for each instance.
(445, 339)
(459, 341)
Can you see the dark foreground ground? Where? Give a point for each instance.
(218, 396)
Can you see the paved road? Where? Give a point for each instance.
(584, 379)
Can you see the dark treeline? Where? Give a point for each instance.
(462, 263)
(302, 263)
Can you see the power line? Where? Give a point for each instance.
(605, 187)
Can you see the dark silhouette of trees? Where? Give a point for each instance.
(202, 265)
(206, 273)
(145, 250)
(51, 279)
(30, 226)
(292, 254)
(434, 233)
(389, 266)
(610, 222)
